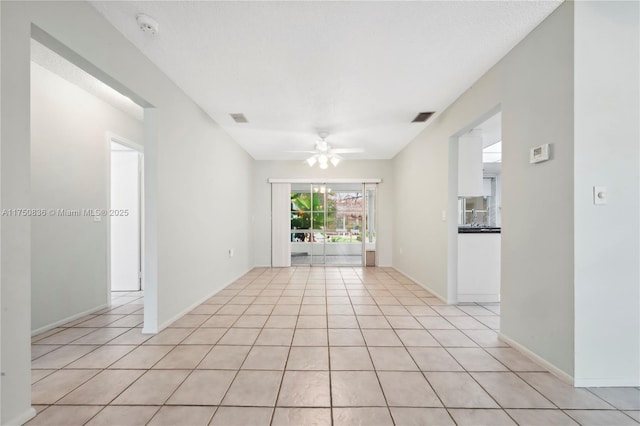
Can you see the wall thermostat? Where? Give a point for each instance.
(539, 154)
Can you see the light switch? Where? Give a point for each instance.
(600, 195)
(444, 215)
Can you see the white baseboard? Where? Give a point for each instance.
(426, 287)
(565, 377)
(605, 382)
(22, 418)
(479, 298)
(68, 319)
(194, 305)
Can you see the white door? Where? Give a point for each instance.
(125, 219)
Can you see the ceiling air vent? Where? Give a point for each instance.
(422, 117)
(239, 118)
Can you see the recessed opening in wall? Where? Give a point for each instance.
(74, 117)
(125, 225)
(476, 237)
(56, 64)
(479, 172)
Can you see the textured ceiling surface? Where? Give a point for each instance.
(55, 63)
(359, 71)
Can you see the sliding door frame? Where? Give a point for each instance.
(327, 180)
(320, 181)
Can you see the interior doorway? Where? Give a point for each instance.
(475, 194)
(125, 216)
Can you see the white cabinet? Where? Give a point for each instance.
(486, 187)
(479, 267)
(470, 165)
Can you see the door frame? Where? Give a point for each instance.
(452, 204)
(112, 137)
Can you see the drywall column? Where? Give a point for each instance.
(16, 230)
(607, 151)
(0, 209)
(150, 232)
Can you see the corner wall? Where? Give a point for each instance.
(348, 169)
(570, 270)
(69, 159)
(533, 85)
(537, 208)
(198, 182)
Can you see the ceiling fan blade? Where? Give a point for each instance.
(347, 150)
(302, 152)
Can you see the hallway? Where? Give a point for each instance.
(298, 346)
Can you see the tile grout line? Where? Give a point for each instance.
(375, 370)
(284, 368)
(412, 358)
(326, 311)
(100, 370)
(370, 286)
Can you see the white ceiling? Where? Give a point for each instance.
(358, 70)
(55, 63)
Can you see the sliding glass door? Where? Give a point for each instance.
(344, 224)
(328, 223)
(301, 228)
(318, 223)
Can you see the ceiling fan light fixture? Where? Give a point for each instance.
(324, 153)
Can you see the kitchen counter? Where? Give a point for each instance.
(478, 230)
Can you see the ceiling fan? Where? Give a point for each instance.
(323, 154)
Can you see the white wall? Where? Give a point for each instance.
(537, 207)
(423, 185)
(570, 293)
(263, 170)
(607, 151)
(16, 240)
(198, 182)
(533, 85)
(69, 161)
(204, 208)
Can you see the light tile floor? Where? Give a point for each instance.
(303, 346)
